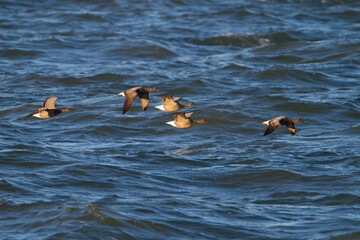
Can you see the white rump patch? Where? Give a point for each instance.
(172, 123)
(37, 115)
(160, 107)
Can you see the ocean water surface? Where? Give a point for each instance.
(95, 173)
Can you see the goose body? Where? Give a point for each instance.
(48, 109)
(132, 93)
(281, 121)
(171, 104)
(183, 120)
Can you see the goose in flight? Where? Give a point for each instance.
(48, 109)
(132, 93)
(171, 104)
(183, 120)
(281, 121)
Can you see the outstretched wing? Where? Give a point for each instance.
(50, 102)
(188, 114)
(291, 127)
(177, 99)
(144, 98)
(129, 99)
(166, 98)
(180, 116)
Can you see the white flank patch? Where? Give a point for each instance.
(37, 115)
(160, 107)
(122, 94)
(172, 123)
(266, 122)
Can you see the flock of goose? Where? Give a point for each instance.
(170, 104)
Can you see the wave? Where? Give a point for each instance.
(304, 197)
(310, 107)
(303, 77)
(265, 176)
(339, 199)
(233, 39)
(142, 50)
(244, 40)
(18, 53)
(347, 236)
(352, 130)
(85, 16)
(108, 76)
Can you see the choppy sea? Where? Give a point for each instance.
(95, 173)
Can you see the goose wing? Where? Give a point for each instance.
(50, 102)
(188, 114)
(271, 127)
(144, 98)
(129, 99)
(177, 99)
(291, 127)
(180, 116)
(167, 98)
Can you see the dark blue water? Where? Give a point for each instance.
(95, 173)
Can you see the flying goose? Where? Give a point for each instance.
(132, 93)
(171, 104)
(48, 109)
(183, 120)
(280, 121)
